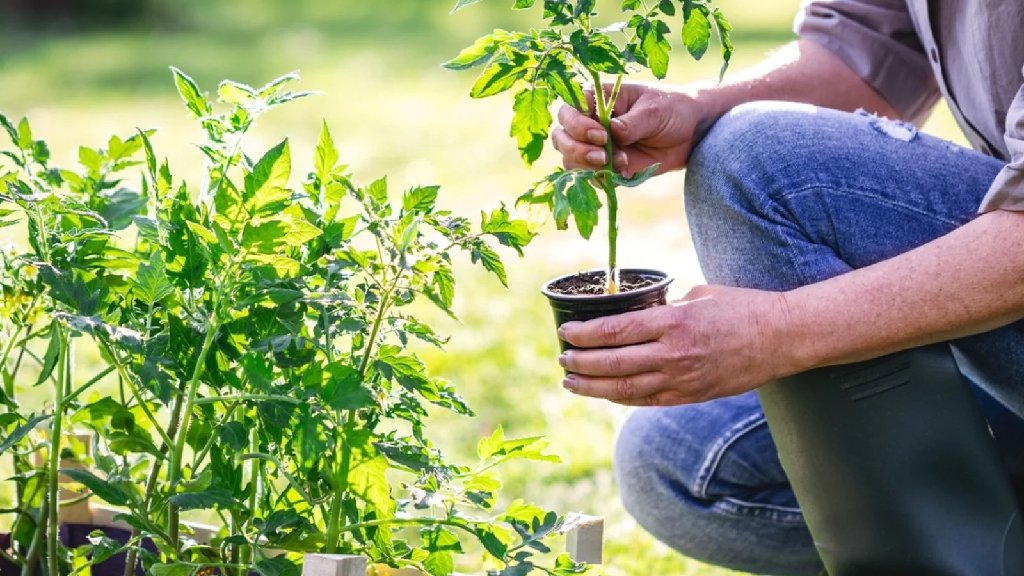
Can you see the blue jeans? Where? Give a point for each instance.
(779, 196)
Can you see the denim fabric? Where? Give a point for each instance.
(781, 195)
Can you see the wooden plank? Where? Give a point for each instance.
(333, 565)
(584, 540)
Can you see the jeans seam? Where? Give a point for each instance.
(868, 193)
(714, 455)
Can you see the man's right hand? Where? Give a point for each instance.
(650, 125)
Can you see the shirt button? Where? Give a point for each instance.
(934, 53)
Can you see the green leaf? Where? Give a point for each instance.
(420, 199)
(494, 540)
(724, 29)
(367, 476)
(597, 52)
(638, 178)
(277, 566)
(345, 390)
(443, 282)
(209, 499)
(655, 46)
(233, 436)
(531, 122)
(24, 135)
(462, 4)
(172, 570)
(107, 491)
(52, 354)
(232, 92)
(270, 173)
(489, 259)
(22, 431)
(190, 93)
(523, 4)
(584, 204)
(326, 155)
(480, 52)
(151, 282)
(9, 128)
(562, 80)
(500, 75)
(697, 32)
(515, 234)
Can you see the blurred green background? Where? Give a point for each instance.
(83, 69)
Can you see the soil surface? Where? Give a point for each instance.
(593, 283)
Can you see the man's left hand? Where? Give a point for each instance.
(716, 341)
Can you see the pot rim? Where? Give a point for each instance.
(662, 283)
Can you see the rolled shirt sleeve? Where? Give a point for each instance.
(878, 41)
(1007, 190)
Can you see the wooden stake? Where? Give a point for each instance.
(584, 541)
(333, 565)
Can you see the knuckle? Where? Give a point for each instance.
(608, 331)
(626, 388)
(613, 363)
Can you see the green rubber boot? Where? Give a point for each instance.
(895, 469)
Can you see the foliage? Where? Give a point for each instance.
(258, 336)
(558, 61)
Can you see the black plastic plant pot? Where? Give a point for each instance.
(653, 291)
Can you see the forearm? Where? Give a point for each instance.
(966, 282)
(801, 71)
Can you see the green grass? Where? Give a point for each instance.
(393, 110)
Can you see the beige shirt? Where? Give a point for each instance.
(911, 51)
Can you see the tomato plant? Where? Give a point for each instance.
(255, 341)
(565, 56)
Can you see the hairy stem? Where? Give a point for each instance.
(53, 484)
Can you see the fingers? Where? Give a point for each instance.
(619, 330)
(648, 389)
(613, 361)
(581, 128)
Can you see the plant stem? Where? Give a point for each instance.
(605, 107)
(174, 472)
(341, 480)
(34, 549)
(53, 491)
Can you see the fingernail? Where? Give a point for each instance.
(570, 383)
(618, 125)
(596, 157)
(563, 359)
(598, 137)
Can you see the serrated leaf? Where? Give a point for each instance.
(232, 92)
(724, 29)
(584, 204)
(345, 390)
(105, 490)
(190, 93)
(531, 121)
(420, 199)
(270, 173)
(489, 259)
(597, 52)
(515, 234)
(563, 81)
(474, 55)
(697, 32)
(499, 76)
(655, 46)
(151, 282)
(326, 155)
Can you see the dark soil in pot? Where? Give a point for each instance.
(581, 297)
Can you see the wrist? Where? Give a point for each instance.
(788, 342)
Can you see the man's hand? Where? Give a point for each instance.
(651, 125)
(716, 341)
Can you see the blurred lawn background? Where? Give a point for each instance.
(84, 69)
